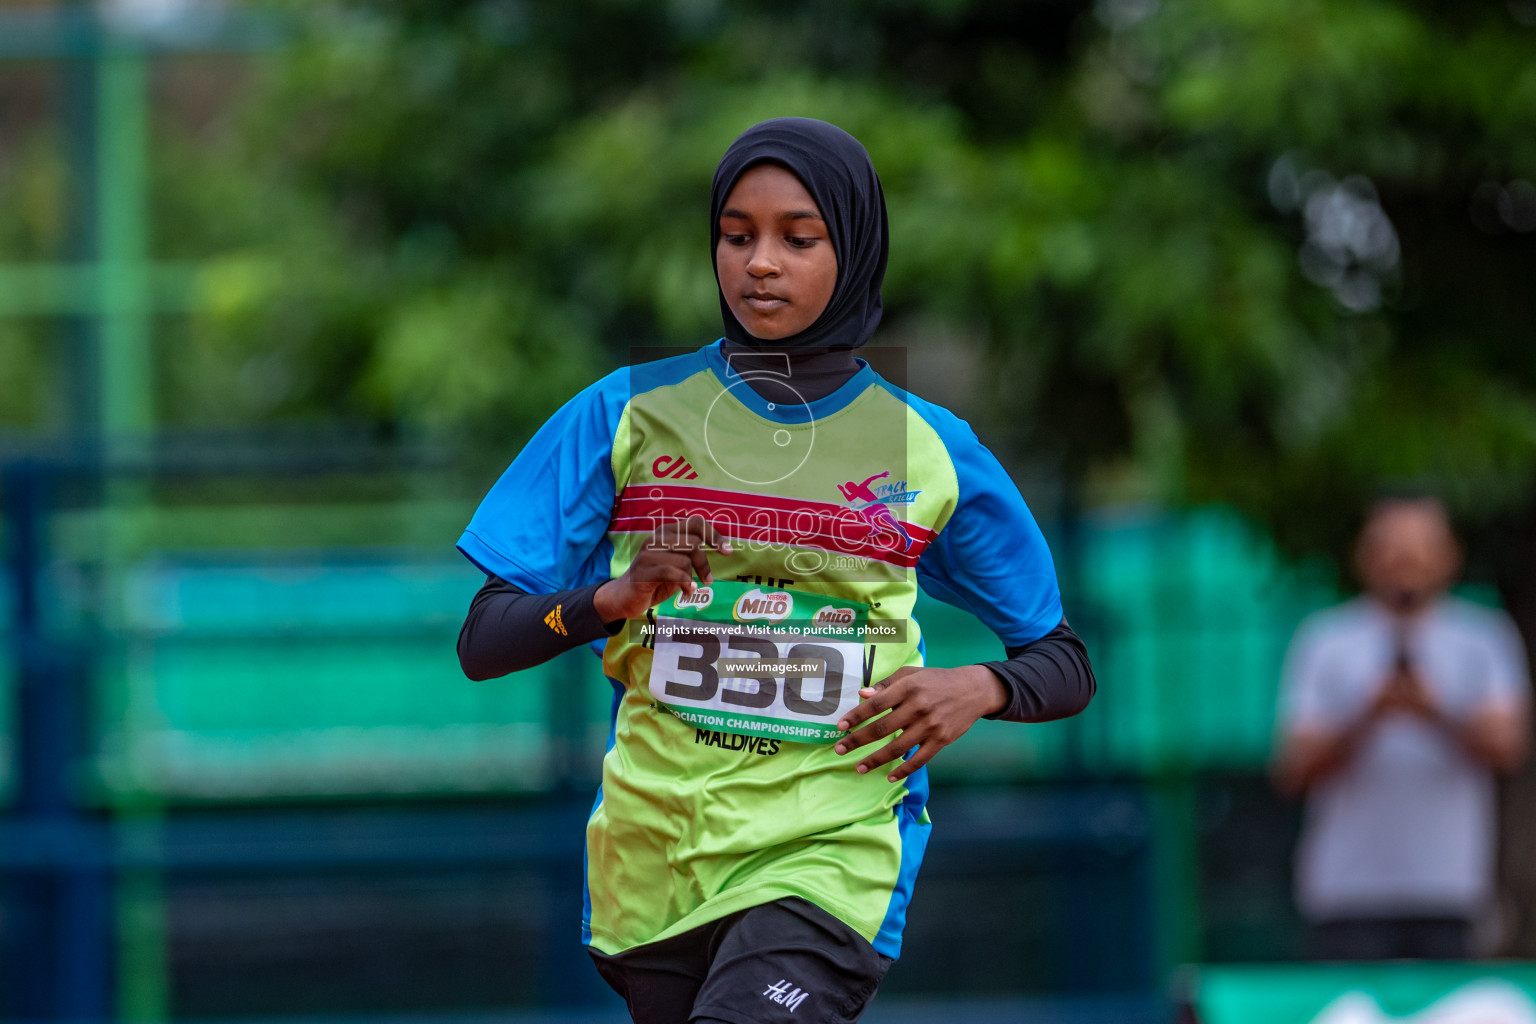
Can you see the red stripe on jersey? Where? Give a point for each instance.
(769, 519)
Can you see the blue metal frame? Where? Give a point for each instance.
(62, 948)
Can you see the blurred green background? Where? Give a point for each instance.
(284, 285)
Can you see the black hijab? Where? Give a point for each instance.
(837, 172)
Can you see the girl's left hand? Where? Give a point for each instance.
(930, 708)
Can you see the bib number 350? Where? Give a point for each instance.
(798, 694)
(765, 687)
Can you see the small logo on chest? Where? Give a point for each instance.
(673, 467)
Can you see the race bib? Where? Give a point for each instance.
(740, 658)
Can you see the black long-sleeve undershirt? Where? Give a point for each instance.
(508, 629)
(1046, 679)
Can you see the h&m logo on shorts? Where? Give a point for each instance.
(784, 995)
(673, 467)
(773, 606)
(700, 598)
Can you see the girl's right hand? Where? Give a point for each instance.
(666, 564)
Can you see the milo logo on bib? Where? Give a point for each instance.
(759, 661)
(757, 606)
(700, 598)
(834, 617)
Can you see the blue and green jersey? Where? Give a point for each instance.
(720, 787)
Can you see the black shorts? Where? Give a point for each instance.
(788, 960)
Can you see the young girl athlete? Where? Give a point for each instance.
(757, 834)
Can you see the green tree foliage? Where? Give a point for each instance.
(1271, 254)
(1306, 119)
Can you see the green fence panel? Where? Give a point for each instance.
(239, 682)
(1194, 616)
(1187, 619)
(1386, 993)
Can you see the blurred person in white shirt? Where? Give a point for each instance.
(1398, 709)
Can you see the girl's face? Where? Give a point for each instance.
(775, 261)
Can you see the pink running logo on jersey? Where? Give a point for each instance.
(875, 512)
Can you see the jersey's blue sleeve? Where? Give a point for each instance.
(544, 525)
(990, 558)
